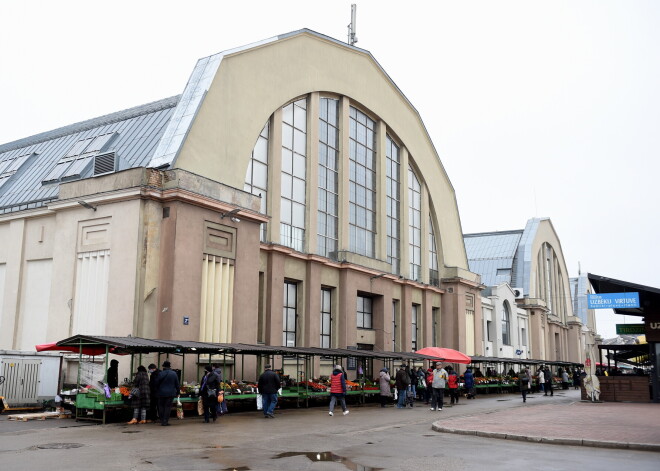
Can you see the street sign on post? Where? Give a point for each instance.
(613, 300)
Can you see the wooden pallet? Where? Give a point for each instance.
(40, 416)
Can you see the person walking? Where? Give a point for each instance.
(167, 387)
(439, 382)
(525, 383)
(412, 387)
(152, 413)
(337, 390)
(384, 383)
(469, 384)
(269, 383)
(547, 375)
(429, 386)
(421, 382)
(576, 378)
(209, 394)
(541, 379)
(141, 401)
(402, 380)
(564, 379)
(452, 381)
(113, 374)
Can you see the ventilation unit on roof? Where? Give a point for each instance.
(518, 292)
(104, 163)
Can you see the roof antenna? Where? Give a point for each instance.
(352, 39)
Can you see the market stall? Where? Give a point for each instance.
(94, 400)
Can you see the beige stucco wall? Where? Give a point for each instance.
(249, 86)
(546, 233)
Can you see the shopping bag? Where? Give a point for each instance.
(260, 402)
(179, 409)
(222, 408)
(396, 395)
(221, 396)
(200, 407)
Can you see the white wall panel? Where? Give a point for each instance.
(217, 299)
(91, 297)
(35, 304)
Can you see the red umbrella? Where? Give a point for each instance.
(445, 354)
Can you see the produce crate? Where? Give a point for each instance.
(85, 401)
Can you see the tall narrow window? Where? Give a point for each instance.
(364, 313)
(548, 276)
(294, 170)
(415, 316)
(435, 318)
(393, 198)
(434, 274)
(290, 313)
(362, 184)
(415, 225)
(326, 318)
(328, 177)
(394, 309)
(256, 177)
(506, 324)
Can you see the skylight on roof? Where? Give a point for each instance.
(74, 163)
(11, 165)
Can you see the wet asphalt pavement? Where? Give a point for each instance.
(367, 439)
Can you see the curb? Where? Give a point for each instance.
(550, 441)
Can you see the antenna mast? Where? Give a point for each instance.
(352, 38)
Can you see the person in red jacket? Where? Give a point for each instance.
(452, 382)
(337, 390)
(429, 386)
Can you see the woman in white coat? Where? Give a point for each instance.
(384, 382)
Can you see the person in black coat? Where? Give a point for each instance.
(269, 384)
(167, 388)
(113, 374)
(209, 393)
(141, 401)
(152, 413)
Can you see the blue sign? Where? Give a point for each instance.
(186, 320)
(518, 352)
(613, 300)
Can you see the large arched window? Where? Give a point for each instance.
(294, 174)
(256, 177)
(362, 184)
(393, 169)
(415, 225)
(328, 177)
(506, 324)
(434, 274)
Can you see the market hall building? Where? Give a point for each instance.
(277, 200)
(528, 304)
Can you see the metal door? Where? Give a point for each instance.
(21, 385)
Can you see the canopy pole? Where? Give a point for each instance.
(105, 375)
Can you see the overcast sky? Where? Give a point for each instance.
(536, 108)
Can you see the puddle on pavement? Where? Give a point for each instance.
(240, 468)
(327, 456)
(132, 431)
(57, 446)
(503, 400)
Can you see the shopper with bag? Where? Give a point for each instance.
(525, 383)
(167, 388)
(209, 394)
(140, 396)
(269, 384)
